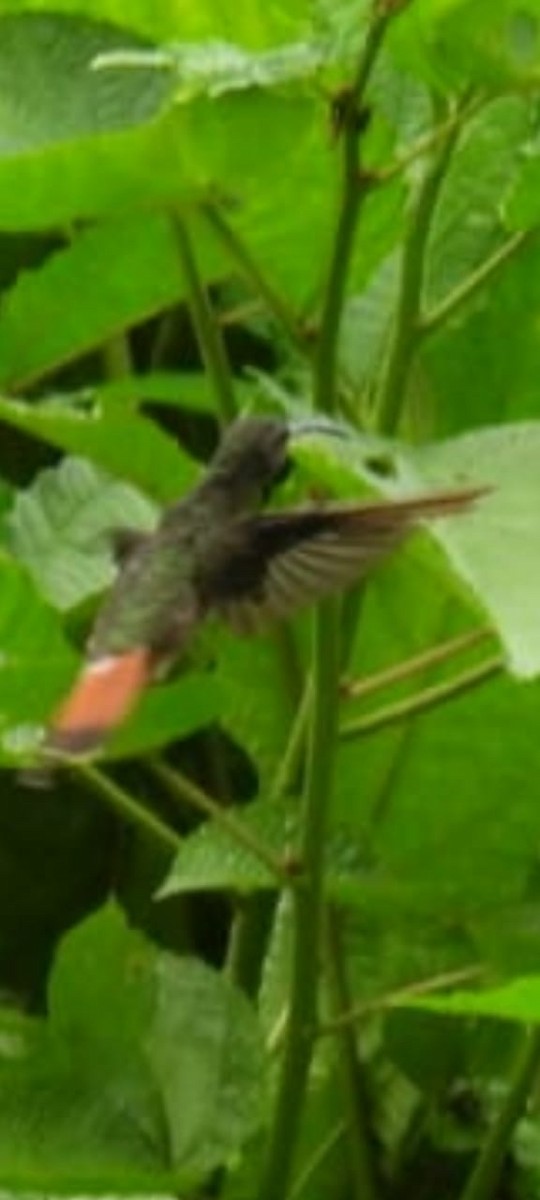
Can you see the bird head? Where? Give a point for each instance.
(251, 458)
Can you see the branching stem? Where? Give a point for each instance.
(395, 378)
(206, 327)
(360, 1141)
(354, 187)
(483, 1183)
(307, 899)
(250, 270)
(308, 910)
(430, 697)
(125, 804)
(431, 657)
(475, 281)
(187, 792)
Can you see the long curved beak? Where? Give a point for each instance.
(324, 425)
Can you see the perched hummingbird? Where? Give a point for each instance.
(214, 552)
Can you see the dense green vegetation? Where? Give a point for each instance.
(283, 938)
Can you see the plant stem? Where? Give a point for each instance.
(307, 899)
(413, 666)
(187, 792)
(483, 1182)
(429, 141)
(289, 767)
(476, 280)
(116, 356)
(354, 188)
(431, 697)
(251, 929)
(360, 1142)
(206, 327)
(307, 910)
(129, 808)
(336, 1135)
(247, 267)
(399, 997)
(395, 379)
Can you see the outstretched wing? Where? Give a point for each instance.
(294, 558)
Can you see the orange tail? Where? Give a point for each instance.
(101, 698)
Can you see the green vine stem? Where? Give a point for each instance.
(483, 1183)
(117, 358)
(399, 997)
(429, 141)
(475, 281)
(184, 791)
(359, 1137)
(307, 911)
(430, 697)
(250, 270)
(326, 1148)
(431, 657)
(308, 897)
(404, 341)
(206, 327)
(125, 804)
(354, 187)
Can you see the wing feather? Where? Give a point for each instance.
(308, 554)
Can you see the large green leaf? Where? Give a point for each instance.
(224, 148)
(111, 277)
(146, 1076)
(250, 23)
(470, 377)
(448, 42)
(118, 439)
(497, 547)
(467, 223)
(60, 526)
(256, 708)
(169, 712)
(50, 93)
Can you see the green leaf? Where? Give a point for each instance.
(523, 206)
(495, 549)
(146, 1077)
(167, 713)
(119, 440)
(467, 223)
(256, 711)
(427, 800)
(112, 276)
(60, 526)
(469, 375)
(50, 92)
(210, 858)
(205, 1052)
(518, 1000)
(449, 42)
(248, 23)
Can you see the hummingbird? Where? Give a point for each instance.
(215, 552)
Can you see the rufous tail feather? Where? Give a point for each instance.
(103, 695)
